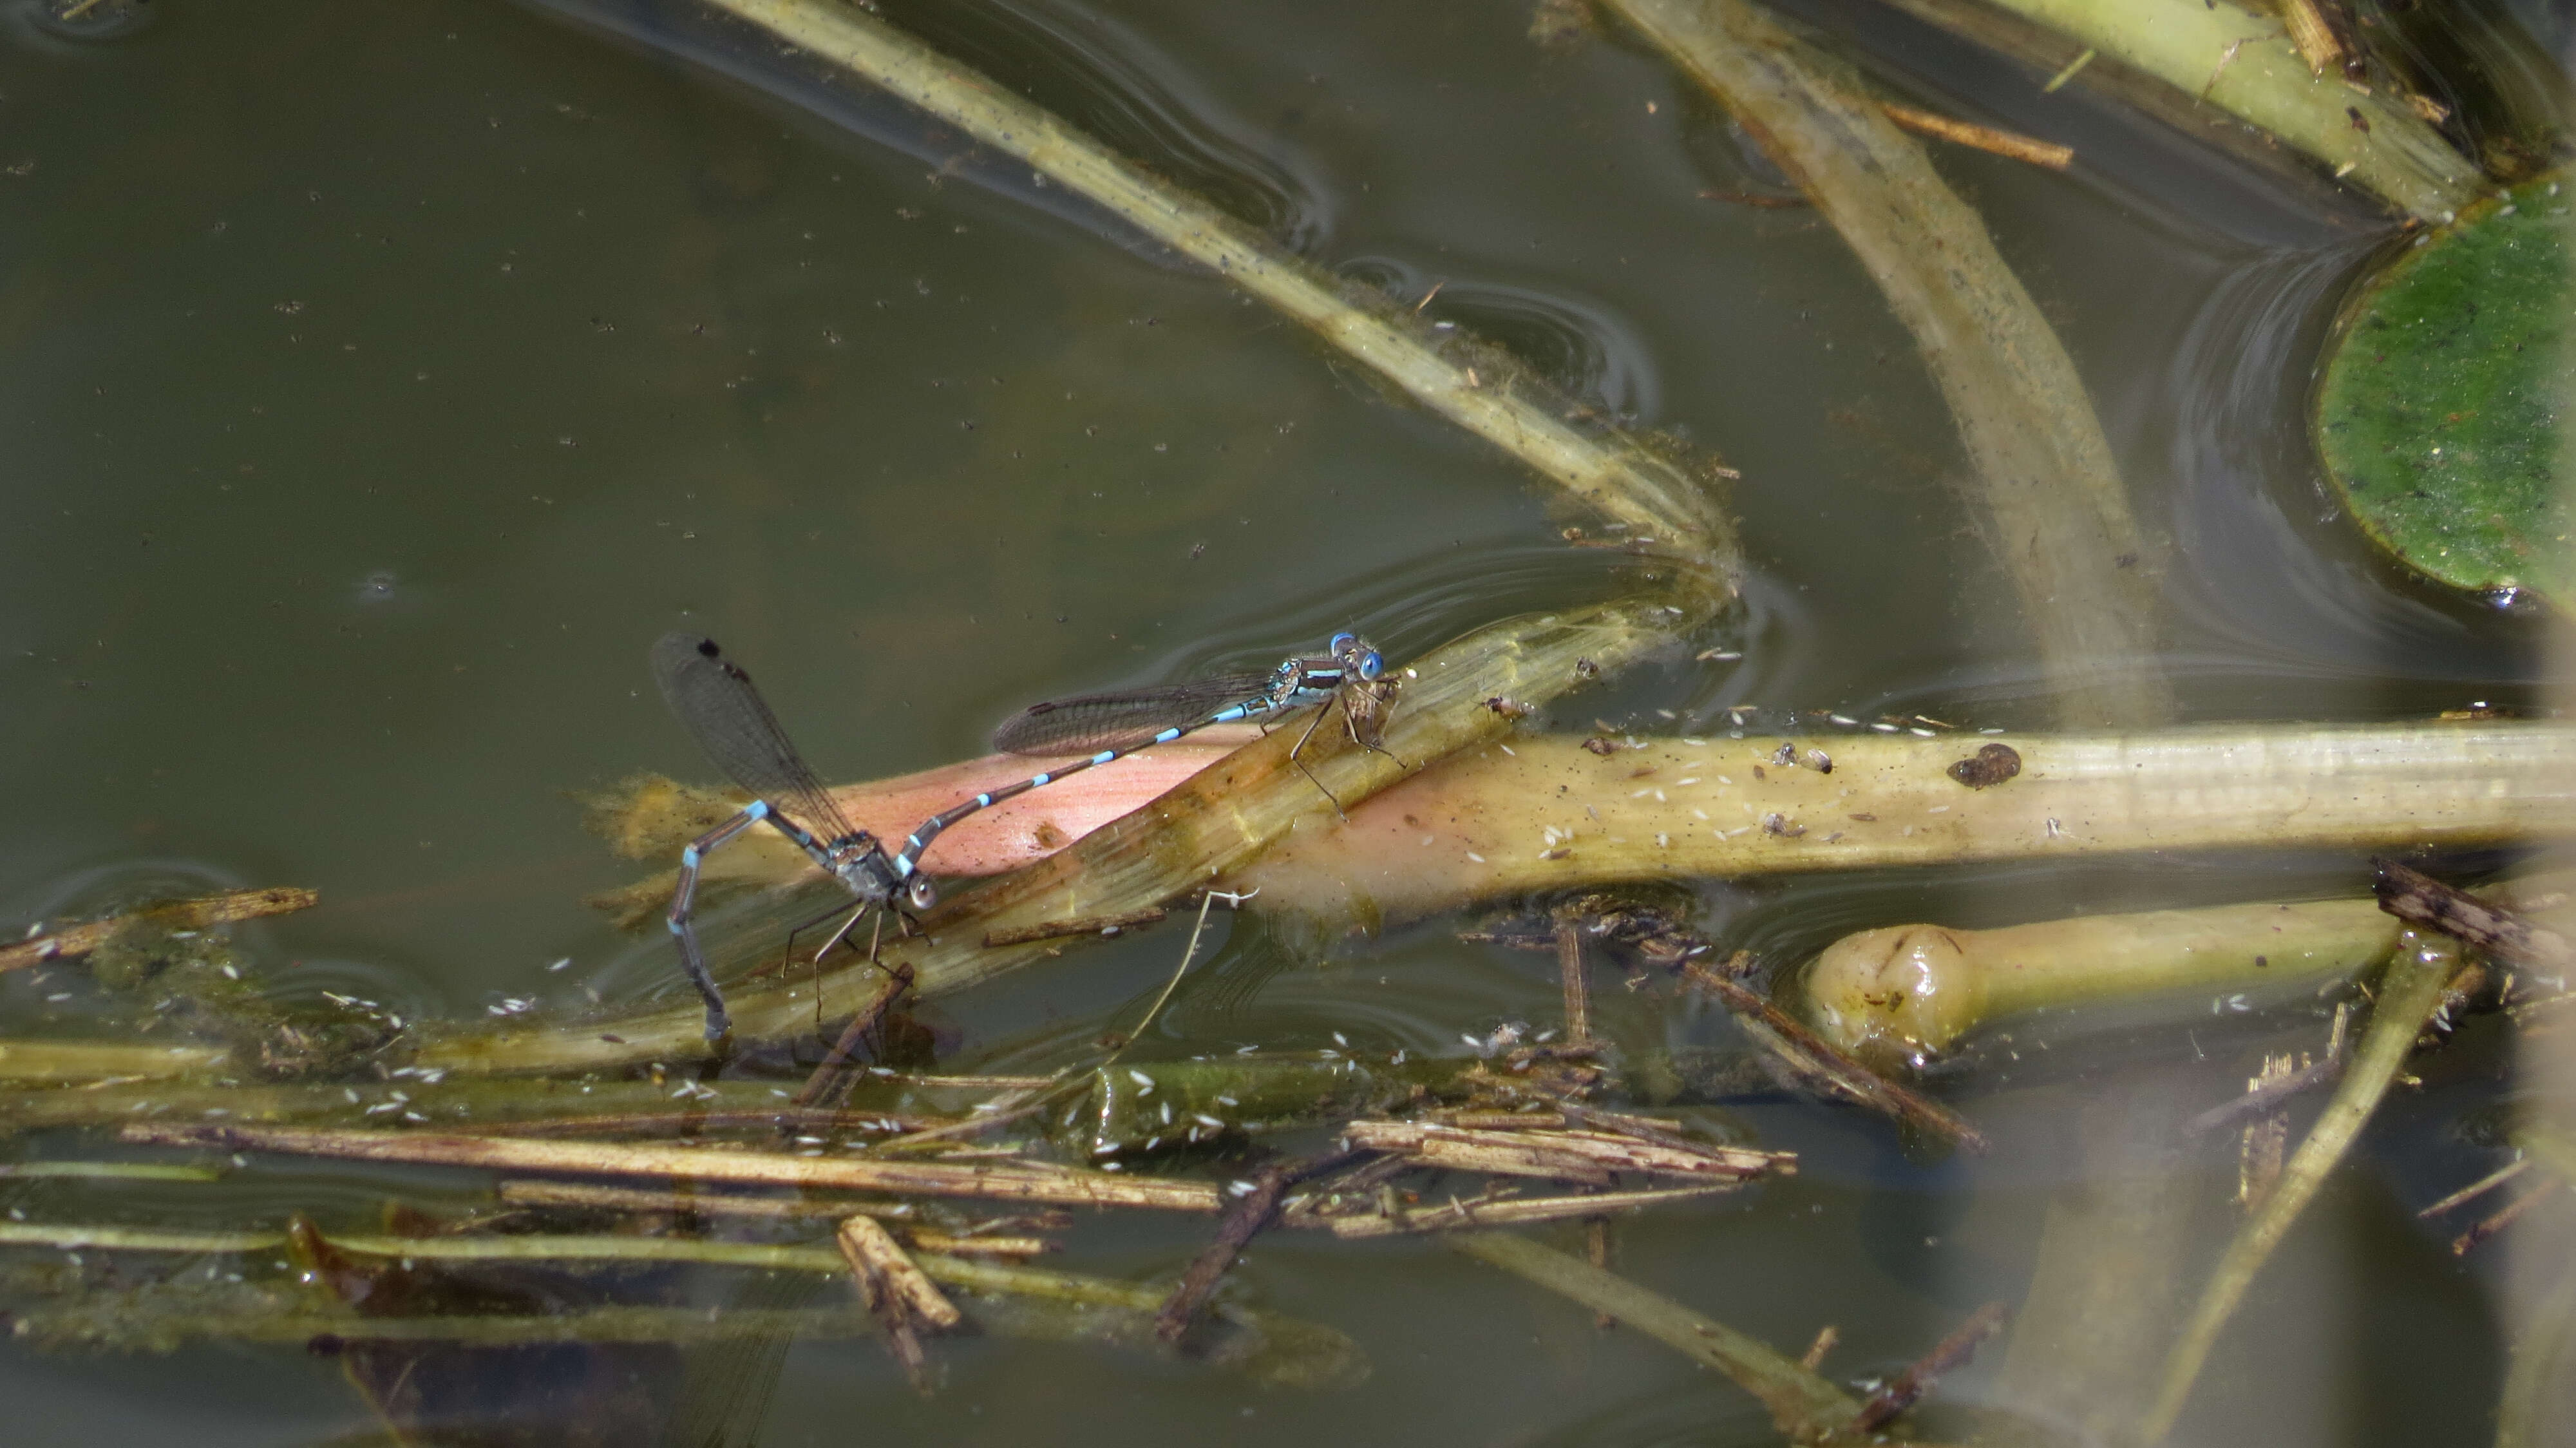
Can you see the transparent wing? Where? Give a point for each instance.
(1104, 721)
(715, 702)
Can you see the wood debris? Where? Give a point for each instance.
(73, 941)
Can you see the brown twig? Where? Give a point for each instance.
(1902, 1391)
(728, 1204)
(1826, 1337)
(2504, 1217)
(1578, 990)
(1820, 1058)
(73, 941)
(1490, 1211)
(2272, 1093)
(1086, 925)
(1984, 138)
(994, 1181)
(2320, 38)
(1243, 1220)
(897, 1295)
(1589, 1157)
(2505, 936)
(2478, 1188)
(830, 1083)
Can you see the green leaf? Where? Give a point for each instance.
(2438, 415)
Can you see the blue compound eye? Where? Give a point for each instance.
(1371, 666)
(1340, 641)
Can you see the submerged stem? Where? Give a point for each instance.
(1801, 1403)
(2245, 62)
(1606, 472)
(2408, 995)
(2046, 492)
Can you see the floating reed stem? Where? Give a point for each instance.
(1803, 1405)
(2408, 996)
(1606, 472)
(2046, 493)
(2245, 62)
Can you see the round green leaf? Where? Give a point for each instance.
(2438, 414)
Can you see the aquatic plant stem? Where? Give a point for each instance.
(2247, 64)
(1605, 472)
(1292, 1353)
(33, 1063)
(2408, 995)
(1908, 991)
(1474, 827)
(1211, 826)
(201, 913)
(994, 1181)
(1803, 1405)
(2046, 493)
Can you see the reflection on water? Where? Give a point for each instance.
(385, 381)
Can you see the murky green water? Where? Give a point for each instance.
(381, 380)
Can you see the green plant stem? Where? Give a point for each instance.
(2046, 492)
(28, 1063)
(1473, 827)
(1802, 1404)
(1288, 1351)
(1909, 991)
(2245, 64)
(2408, 995)
(1609, 474)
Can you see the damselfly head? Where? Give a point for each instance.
(1356, 654)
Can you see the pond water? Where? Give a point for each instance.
(382, 380)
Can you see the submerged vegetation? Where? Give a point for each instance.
(569, 1175)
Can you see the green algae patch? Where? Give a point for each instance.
(2437, 415)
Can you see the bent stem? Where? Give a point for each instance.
(2246, 64)
(1608, 473)
(2408, 996)
(1804, 1405)
(2049, 498)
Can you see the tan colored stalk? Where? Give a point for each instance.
(1803, 1405)
(997, 1181)
(1609, 474)
(2009, 144)
(2048, 497)
(1573, 1156)
(2408, 996)
(2246, 64)
(1454, 1214)
(1549, 814)
(1207, 828)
